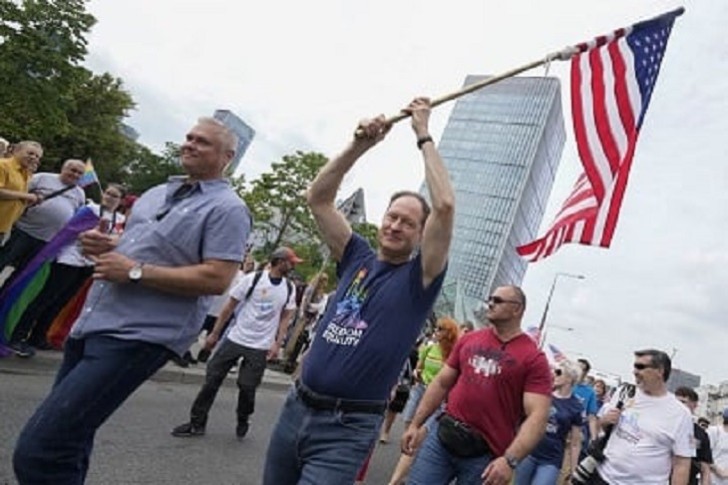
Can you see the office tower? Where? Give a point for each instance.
(502, 146)
(243, 131)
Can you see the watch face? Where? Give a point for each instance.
(135, 274)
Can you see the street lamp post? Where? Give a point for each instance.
(542, 324)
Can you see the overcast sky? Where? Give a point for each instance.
(303, 73)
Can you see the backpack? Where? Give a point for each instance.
(256, 278)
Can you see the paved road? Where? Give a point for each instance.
(134, 446)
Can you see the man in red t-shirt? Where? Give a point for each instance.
(499, 386)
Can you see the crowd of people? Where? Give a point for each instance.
(480, 406)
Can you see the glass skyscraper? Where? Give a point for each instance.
(502, 146)
(244, 132)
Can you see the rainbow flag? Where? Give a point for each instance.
(15, 298)
(89, 176)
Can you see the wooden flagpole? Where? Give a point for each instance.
(562, 55)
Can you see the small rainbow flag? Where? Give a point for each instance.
(89, 175)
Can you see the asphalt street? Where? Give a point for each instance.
(135, 447)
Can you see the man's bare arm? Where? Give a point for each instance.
(680, 470)
(536, 407)
(7, 194)
(437, 233)
(321, 195)
(211, 277)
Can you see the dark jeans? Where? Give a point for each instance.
(250, 375)
(18, 251)
(97, 375)
(63, 283)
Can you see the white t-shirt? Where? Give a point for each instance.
(258, 318)
(218, 303)
(651, 430)
(719, 446)
(44, 220)
(71, 254)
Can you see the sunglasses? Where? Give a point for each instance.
(497, 300)
(641, 366)
(558, 372)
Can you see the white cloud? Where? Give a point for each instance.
(303, 73)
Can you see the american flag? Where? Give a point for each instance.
(557, 355)
(535, 334)
(612, 79)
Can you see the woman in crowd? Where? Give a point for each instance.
(600, 389)
(431, 359)
(543, 465)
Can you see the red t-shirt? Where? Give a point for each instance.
(493, 376)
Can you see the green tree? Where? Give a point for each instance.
(47, 95)
(277, 200)
(368, 231)
(146, 169)
(42, 44)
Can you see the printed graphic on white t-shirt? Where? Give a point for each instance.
(257, 319)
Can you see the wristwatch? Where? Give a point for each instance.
(135, 273)
(511, 460)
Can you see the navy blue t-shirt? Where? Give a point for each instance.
(565, 413)
(368, 330)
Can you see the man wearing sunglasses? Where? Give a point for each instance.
(652, 440)
(493, 378)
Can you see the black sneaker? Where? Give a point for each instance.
(22, 349)
(179, 361)
(188, 429)
(241, 430)
(203, 355)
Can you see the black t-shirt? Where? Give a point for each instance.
(703, 454)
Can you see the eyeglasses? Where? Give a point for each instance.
(641, 366)
(497, 300)
(558, 372)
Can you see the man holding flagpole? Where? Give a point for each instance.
(332, 416)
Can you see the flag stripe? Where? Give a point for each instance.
(612, 80)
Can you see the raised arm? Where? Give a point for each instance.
(431, 400)
(321, 195)
(437, 232)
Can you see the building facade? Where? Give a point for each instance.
(502, 146)
(244, 132)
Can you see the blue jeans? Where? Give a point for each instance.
(532, 472)
(416, 393)
(96, 376)
(310, 447)
(434, 465)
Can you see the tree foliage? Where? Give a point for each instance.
(47, 95)
(146, 169)
(277, 200)
(368, 231)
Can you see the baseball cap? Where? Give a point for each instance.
(286, 253)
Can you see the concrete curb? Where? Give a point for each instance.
(47, 362)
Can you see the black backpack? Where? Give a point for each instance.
(256, 278)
